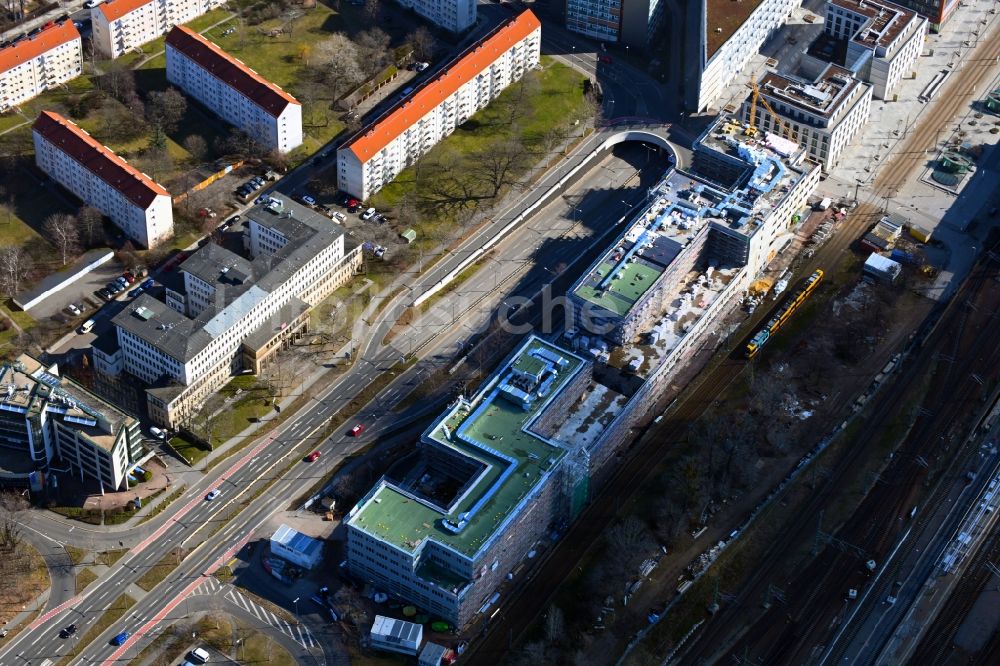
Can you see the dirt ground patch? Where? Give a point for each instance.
(25, 577)
(790, 397)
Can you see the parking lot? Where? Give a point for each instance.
(80, 293)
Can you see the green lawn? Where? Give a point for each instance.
(188, 450)
(552, 102)
(279, 60)
(84, 578)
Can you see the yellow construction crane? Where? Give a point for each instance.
(778, 121)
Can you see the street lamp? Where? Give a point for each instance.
(296, 602)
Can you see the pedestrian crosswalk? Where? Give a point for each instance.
(297, 632)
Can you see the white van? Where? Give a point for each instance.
(199, 655)
(87, 325)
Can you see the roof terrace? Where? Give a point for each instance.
(653, 240)
(492, 438)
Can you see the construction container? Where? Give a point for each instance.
(882, 269)
(920, 233)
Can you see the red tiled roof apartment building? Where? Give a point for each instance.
(123, 25)
(233, 91)
(33, 65)
(378, 153)
(135, 203)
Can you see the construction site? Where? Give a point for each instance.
(815, 554)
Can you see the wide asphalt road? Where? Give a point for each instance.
(550, 239)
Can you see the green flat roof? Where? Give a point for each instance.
(623, 293)
(497, 423)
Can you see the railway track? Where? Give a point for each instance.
(777, 636)
(963, 85)
(936, 645)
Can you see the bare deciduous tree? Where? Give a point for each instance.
(373, 50)
(423, 43)
(196, 146)
(15, 265)
(91, 228)
(500, 164)
(12, 505)
(335, 65)
(166, 109)
(62, 231)
(372, 8)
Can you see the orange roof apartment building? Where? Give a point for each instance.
(119, 26)
(233, 91)
(139, 206)
(35, 64)
(375, 155)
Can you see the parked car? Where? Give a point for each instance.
(147, 283)
(159, 433)
(351, 201)
(343, 199)
(358, 429)
(308, 200)
(90, 4)
(380, 218)
(120, 639)
(354, 209)
(86, 326)
(103, 294)
(261, 199)
(207, 212)
(313, 457)
(213, 494)
(73, 310)
(421, 66)
(606, 59)
(340, 217)
(136, 292)
(368, 214)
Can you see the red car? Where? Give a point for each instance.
(605, 59)
(353, 202)
(357, 430)
(313, 457)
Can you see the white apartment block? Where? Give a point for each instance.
(823, 116)
(452, 15)
(375, 155)
(57, 426)
(139, 206)
(36, 64)
(122, 25)
(723, 53)
(229, 313)
(233, 91)
(883, 40)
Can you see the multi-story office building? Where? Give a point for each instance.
(883, 40)
(823, 115)
(378, 153)
(60, 427)
(139, 206)
(233, 91)
(229, 313)
(719, 38)
(122, 25)
(490, 482)
(452, 15)
(35, 64)
(731, 208)
(630, 22)
(937, 12)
